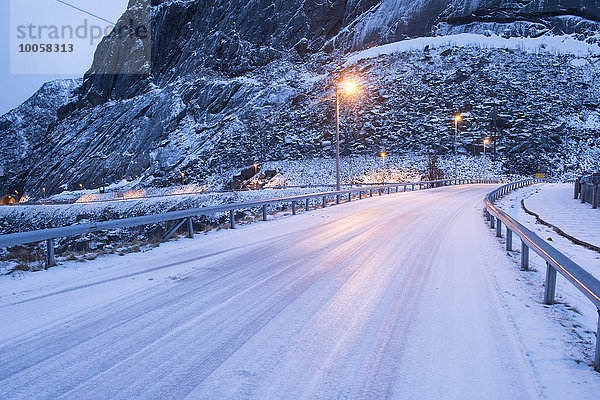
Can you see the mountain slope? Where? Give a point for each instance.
(227, 82)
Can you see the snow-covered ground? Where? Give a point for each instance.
(543, 44)
(317, 174)
(400, 296)
(555, 204)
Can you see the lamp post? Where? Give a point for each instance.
(457, 118)
(349, 87)
(383, 155)
(485, 142)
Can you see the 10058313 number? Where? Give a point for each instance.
(46, 48)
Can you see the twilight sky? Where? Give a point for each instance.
(22, 74)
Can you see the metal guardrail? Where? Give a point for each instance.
(185, 216)
(120, 196)
(555, 260)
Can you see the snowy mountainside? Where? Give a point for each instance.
(23, 128)
(228, 82)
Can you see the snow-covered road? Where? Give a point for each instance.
(389, 297)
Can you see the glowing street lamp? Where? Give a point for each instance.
(457, 119)
(347, 87)
(255, 165)
(350, 87)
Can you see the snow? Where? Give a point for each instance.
(302, 176)
(554, 204)
(579, 62)
(400, 296)
(548, 44)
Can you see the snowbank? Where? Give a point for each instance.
(548, 44)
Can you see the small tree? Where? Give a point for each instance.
(433, 173)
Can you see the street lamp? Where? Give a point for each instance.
(485, 142)
(383, 155)
(350, 87)
(347, 87)
(255, 165)
(457, 119)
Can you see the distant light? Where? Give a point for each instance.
(457, 118)
(383, 155)
(486, 141)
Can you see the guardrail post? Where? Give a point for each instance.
(232, 218)
(499, 227)
(388, 190)
(337, 199)
(50, 259)
(508, 239)
(349, 197)
(307, 205)
(371, 193)
(190, 227)
(595, 196)
(324, 202)
(583, 193)
(264, 212)
(293, 208)
(597, 358)
(576, 189)
(524, 256)
(492, 222)
(360, 195)
(550, 284)
(404, 187)
(412, 189)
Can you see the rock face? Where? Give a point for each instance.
(24, 129)
(223, 86)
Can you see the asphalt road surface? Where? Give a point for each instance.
(384, 298)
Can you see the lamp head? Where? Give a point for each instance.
(349, 86)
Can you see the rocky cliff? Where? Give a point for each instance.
(223, 84)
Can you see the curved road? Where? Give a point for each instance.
(383, 298)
